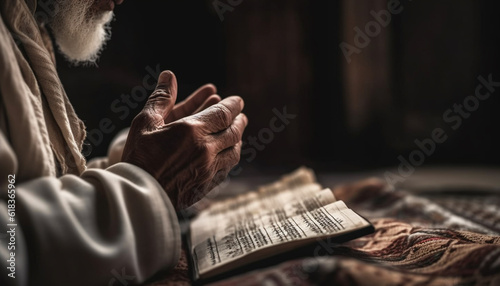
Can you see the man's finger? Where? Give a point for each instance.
(231, 135)
(221, 115)
(160, 103)
(229, 157)
(213, 99)
(192, 103)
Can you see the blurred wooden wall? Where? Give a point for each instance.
(278, 54)
(428, 58)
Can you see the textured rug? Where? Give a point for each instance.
(426, 239)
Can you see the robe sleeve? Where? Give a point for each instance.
(115, 152)
(113, 226)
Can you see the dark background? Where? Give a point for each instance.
(350, 116)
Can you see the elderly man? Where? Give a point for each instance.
(65, 222)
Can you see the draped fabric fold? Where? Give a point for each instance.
(56, 124)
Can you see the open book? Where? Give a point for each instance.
(275, 218)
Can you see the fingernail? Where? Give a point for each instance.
(164, 79)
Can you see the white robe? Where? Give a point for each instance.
(103, 227)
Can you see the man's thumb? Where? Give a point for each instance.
(161, 102)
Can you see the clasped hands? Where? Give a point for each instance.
(188, 147)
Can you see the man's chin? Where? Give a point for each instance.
(84, 46)
(78, 58)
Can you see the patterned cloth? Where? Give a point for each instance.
(426, 239)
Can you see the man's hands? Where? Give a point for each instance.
(202, 98)
(189, 148)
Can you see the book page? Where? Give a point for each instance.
(299, 185)
(291, 182)
(288, 212)
(290, 224)
(285, 204)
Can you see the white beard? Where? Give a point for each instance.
(79, 32)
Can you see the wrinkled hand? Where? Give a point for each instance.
(187, 155)
(202, 98)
